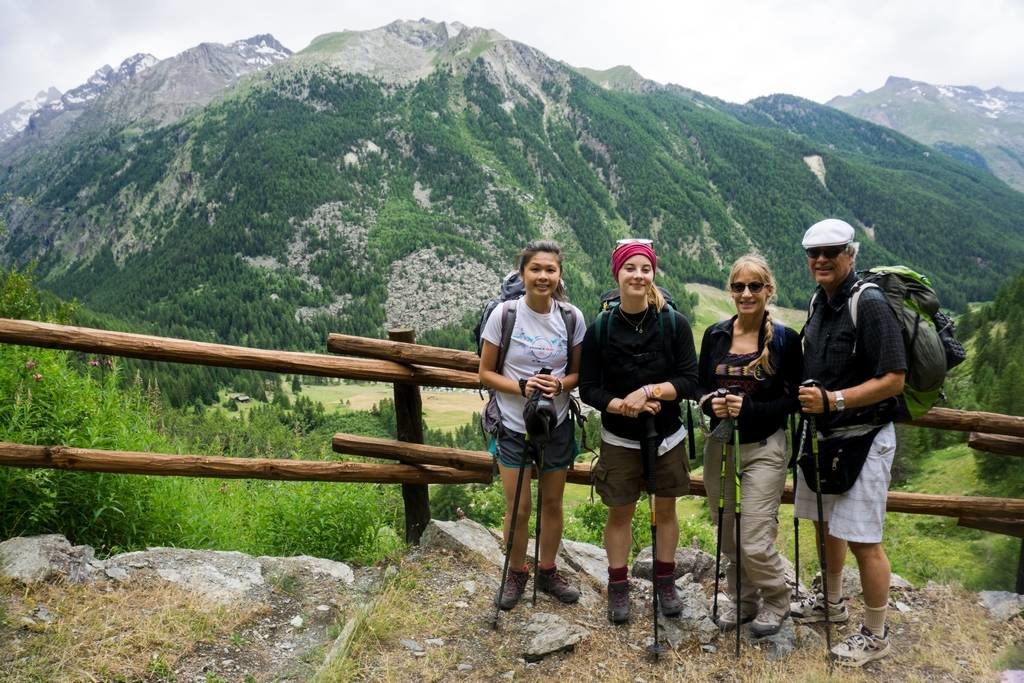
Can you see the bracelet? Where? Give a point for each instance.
(522, 387)
(647, 391)
(559, 392)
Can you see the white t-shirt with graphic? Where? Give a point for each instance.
(538, 341)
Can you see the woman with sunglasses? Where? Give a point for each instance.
(639, 360)
(758, 363)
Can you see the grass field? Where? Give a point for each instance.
(442, 409)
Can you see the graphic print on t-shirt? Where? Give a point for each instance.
(540, 348)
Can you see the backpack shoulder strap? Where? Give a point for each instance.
(855, 293)
(778, 337)
(569, 319)
(508, 323)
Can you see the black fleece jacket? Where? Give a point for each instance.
(631, 359)
(765, 411)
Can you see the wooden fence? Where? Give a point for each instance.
(408, 365)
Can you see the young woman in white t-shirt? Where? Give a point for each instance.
(539, 341)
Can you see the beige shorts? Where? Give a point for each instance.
(619, 474)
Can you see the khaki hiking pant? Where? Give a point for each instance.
(763, 467)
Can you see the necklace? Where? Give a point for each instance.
(637, 325)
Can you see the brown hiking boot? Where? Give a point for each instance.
(668, 599)
(552, 582)
(618, 602)
(515, 586)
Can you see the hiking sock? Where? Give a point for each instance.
(835, 587)
(664, 568)
(617, 574)
(874, 619)
(547, 569)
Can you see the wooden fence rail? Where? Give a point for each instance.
(128, 462)
(88, 340)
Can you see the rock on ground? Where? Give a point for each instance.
(463, 534)
(1002, 605)
(31, 559)
(551, 633)
(688, 561)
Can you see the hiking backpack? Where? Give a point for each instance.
(928, 333)
(511, 291)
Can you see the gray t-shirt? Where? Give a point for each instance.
(538, 341)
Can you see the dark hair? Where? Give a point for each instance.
(548, 246)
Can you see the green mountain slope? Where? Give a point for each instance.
(386, 178)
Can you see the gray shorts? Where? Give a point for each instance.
(619, 474)
(514, 451)
(857, 515)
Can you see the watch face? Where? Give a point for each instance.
(656, 391)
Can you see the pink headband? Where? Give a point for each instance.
(629, 250)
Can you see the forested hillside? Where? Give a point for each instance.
(327, 195)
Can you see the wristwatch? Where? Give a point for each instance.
(840, 400)
(522, 387)
(656, 391)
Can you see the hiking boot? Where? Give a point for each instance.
(668, 599)
(861, 648)
(767, 622)
(812, 608)
(552, 582)
(515, 586)
(727, 617)
(618, 602)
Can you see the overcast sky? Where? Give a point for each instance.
(732, 49)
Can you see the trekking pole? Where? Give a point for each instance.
(799, 441)
(648, 453)
(737, 472)
(822, 557)
(721, 511)
(540, 497)
(508, 548)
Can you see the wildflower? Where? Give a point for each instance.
(37, 377)
(30, 365)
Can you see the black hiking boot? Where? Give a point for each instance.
(618, 602)
(515, 586)
(668, 598)
(552, 582)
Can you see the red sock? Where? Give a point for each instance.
(617, 574)
(664, 568)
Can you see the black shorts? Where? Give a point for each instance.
(514, 451)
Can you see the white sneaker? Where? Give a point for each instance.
(861, 648)
(812, 608)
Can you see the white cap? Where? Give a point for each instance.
(827, 233)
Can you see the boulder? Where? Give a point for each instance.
(461, 536)
(1002, 605)
(587, 559)
(223, 577)
(41, 558)
(307, 564)
(688, 561)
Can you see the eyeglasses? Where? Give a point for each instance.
(738, 287)
(633, 240)
(828, 252)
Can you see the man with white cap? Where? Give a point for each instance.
(860, 368)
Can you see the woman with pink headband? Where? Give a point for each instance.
(639, 359)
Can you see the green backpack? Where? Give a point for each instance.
(932, 349)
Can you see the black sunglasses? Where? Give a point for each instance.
(829, 252)
(738, 287)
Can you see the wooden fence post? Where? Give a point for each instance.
(409, 425)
